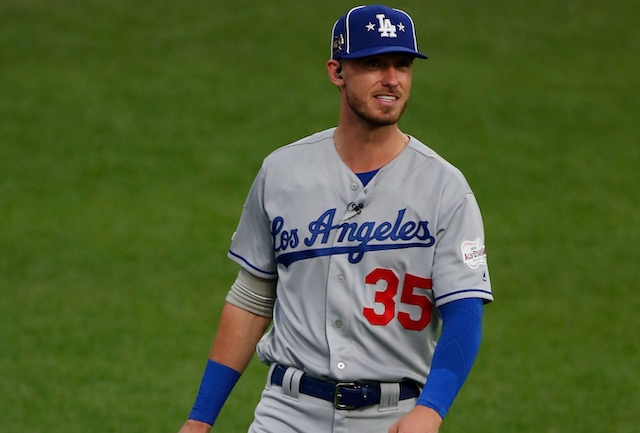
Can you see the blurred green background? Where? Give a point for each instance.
(130, 133)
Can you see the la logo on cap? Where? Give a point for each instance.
(385, 27)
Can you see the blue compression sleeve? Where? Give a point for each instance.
(455, 353)
(217, 382)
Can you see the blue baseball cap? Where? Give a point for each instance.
(374, 29)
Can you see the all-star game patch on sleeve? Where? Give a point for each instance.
(460, 270)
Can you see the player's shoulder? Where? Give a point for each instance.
(303, 144)
(433, 161)
(424, 152)
(298, 156)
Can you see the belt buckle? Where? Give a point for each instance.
(338, 395)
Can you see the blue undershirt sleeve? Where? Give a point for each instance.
(455, 353)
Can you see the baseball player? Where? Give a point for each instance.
(357, 244)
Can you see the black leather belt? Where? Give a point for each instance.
(344, 395)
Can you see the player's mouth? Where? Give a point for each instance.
(387, 99)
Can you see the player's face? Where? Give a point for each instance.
(377, 88)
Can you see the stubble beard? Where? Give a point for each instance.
(383, 117)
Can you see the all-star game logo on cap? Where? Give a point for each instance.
(375, 29)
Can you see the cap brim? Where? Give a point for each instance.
(382, 50)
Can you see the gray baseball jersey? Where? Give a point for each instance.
(360, 269)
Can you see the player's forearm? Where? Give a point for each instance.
(232, 349)
(455, 354)
(238, 333)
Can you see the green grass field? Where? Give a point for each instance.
(130, 133)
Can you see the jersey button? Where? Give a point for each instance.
(354, 186)
(338, 323)
(340, 278)
(341, 366)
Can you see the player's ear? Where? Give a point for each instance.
(334, 68)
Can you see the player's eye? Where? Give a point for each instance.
(372, 63)
(404, 62)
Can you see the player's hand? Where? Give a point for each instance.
(421, 419)
(192, 426)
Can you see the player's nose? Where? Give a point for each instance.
(390, 77)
